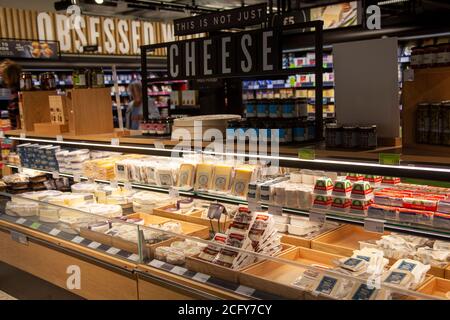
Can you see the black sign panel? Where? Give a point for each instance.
(240, 17)
(228, 55)
(29, 49)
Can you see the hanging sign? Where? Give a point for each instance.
(228, 55)
(235, 18)
(29, 49)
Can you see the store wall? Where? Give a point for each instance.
(366, 84)
(41, 5)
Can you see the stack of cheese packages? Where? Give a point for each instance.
(398, 246)
(366, 265)
(249, 231)
(146, 201)
(406, 274)
(159, 171)
(106, 194)
(101, 169)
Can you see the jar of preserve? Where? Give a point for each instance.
(445, 123)
(349, 136)
(368, 137)
(274, 110)
(429, 56)
(98, 78)
(250, 110)
(416, 57)
(26, 81)
(79, 78)
(422, 122)
(333, 135)
(262, 109)
(435, 123)
(443, 55)
(288, 108)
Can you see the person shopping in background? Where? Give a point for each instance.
(10, 72)
(134, 114)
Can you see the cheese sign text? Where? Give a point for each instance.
(228, 55)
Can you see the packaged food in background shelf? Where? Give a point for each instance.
(186, 175)
(323, 186)
(360, 206)
(362, 190)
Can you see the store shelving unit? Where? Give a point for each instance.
(405, 170)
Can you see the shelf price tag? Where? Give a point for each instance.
(159, 145)
(114, 184)
(374, 225)
(76, 177)
(307, 154)
(115, 141)
(128, 186)
(392, 159)
(55, 175)
(59, 138)
(275, 210)
(319, 217)
(2, 134)
(173, 192)
(23, 135)
(253, 205)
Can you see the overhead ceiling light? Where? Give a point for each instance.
(387, 2)
(98, 1)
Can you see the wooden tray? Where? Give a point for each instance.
(194, 217)
(436, 287)
(275, 277)
(344, 240)
(188, 229)
(217, 271)
(302, 241)
(447, 273)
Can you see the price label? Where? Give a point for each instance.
(374, 225)
(76, 177)
(392, 159)
(275, 210)
(318, 217)
(114, 184)
(244, 290)
(77, 239)
(173, 192)
(2, 134)
(54, 232)
(20, 169)
(112, 250)
(156, 263)
(307, 154)
(133, 257)
(35, 225)
(59, 138)
(115, 141)
(408, 75)
(178, 270)
(159, 145)
(254, 206)
(20, 221)
(128, 186)
(94, 245)
(201, 277)
(23, 135)
(55, 175)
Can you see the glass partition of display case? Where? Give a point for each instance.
(302, 229)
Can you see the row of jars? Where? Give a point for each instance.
(430, 56)
(433, 123)
(286, 108)
(351, 136)
(88, 78)
(287, 130)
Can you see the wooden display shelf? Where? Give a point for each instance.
(193, 217)
(447, 273)
(429, 85)
(51, 265)
(302, 241)
(277, 278)
(436, 287)
(188, 228)
(227, 274)
(146, 292)
(344, 240)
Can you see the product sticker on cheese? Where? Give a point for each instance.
(242, 178)
(186, 175)
(203, 176)
(363, 292)
(327, 285)
(222, 177)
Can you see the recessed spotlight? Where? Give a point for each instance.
(98, 1)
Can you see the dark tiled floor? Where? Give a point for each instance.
(24, 286)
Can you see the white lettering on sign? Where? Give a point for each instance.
(74, 280)
(45, 27)
(108, 29)
(246, 41)
(173, 68)
(135, 37)
(206, 57)
(63, 28)
(190, 58)
(80, 39)
(94, 33)
(124, 44)
(266, 51)
(225, 55)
